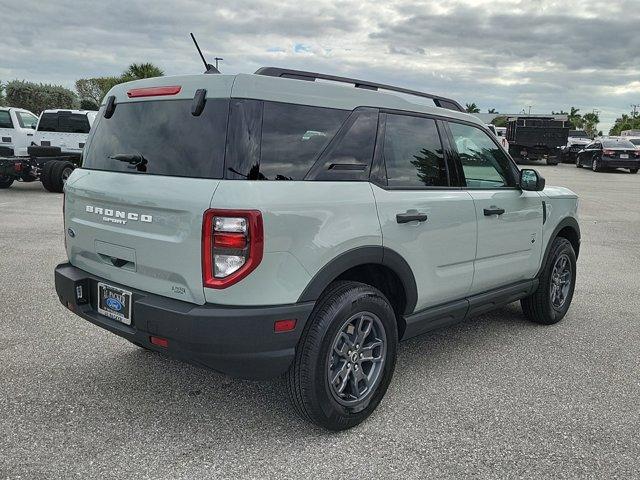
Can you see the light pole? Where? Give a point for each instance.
(529, 109)
(218, 59)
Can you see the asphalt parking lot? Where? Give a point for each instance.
(493, 397)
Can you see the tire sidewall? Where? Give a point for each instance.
(367, 299)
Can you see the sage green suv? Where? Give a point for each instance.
(271, 224)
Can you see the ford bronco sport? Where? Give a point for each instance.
(270, 224)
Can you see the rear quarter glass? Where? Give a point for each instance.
(166, 134)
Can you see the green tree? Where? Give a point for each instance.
(499, 121)
(575, 118)
(590, 123)
(39, 96)
(2, 99)
(137, 71)
(625, 122)
(472, 108)
(93, 90)
(492, 110)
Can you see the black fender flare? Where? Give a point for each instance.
(565, 222)
(361, 256)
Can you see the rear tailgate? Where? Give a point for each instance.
(139, 231)
(149, 172)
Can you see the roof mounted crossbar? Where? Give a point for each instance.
(439, 101)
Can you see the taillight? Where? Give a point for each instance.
(609, 153)
(232, 245)
(636, 153)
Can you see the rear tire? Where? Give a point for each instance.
(633, 170)
(578, 164)
(55, 174)
(6, 181)
(550, 302)
(332, 346)
(552, 161)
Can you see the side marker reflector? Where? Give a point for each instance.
(159, 341)
(284, 325)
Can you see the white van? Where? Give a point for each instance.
(16, 131)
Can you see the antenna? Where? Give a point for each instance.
(209, 68)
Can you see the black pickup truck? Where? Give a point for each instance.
(46, 164)
(536, 138)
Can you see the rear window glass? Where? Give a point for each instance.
(74, 123)
(5, 119)
(165, 134)
(620, 143)
(64, 122)
(48, 122)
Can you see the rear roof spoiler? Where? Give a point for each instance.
(442, 102)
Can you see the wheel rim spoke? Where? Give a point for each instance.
(356, 359)
(561, 278)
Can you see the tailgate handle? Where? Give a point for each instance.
(118, 262)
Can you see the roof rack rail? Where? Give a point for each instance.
(439, 101)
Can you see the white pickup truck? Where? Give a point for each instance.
(66, 129)
(16, 131)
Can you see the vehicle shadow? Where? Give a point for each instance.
(172, 395)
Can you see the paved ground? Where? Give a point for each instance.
(493, 397)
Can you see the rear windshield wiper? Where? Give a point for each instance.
(134, 160)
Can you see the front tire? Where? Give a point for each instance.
(578, 164)
(595, 165)
(345, 358)
(633, 170)
(550, 302)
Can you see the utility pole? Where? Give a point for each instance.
(635, 108)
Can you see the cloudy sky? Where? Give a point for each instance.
(500, 54)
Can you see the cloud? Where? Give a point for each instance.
(501, 54)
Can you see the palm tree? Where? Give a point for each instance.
(472, 108)
(136, 71)
(492, 110)
(575, 118)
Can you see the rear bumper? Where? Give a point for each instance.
(620, 163)
(237, 341)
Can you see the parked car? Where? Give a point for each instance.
(65, 129)
(499, 133)
(16, 131)
(536, 138)
(578, 140)
(270, 224)
(611, 152)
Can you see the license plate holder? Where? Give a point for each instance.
(624, 155)
(114, 303)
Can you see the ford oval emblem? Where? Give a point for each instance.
(113, 304)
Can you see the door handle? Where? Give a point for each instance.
(411, 216)
(493, 211)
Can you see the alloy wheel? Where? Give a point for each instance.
(356, 359)
(561, 277)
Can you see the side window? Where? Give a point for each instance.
(413, 152)
(26, 120)
(5, 119)
(483, 163)
(292, 138)
(48, 122)
(351, 158)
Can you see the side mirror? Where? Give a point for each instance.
(531, 180)
(32, 126)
